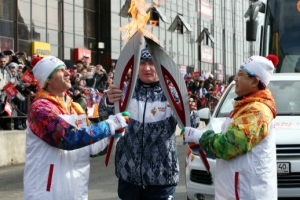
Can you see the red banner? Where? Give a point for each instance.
(28, 78)
(10, 90)
(8, 108)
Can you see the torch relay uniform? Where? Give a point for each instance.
(246, 165)
(147, 154)
(245, 150)
(59, 142)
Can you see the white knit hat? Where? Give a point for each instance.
(261, 67)
(44, 69)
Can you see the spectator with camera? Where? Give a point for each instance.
(90, 76)
(100, 78)
(78, 97)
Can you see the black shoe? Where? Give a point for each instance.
(24, 125)
(20, 127)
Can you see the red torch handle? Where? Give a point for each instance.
(204, 160)
(109, 148)
(193, 146)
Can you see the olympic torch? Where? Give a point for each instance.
(129, 58)
(167, 68)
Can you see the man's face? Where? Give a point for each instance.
(244, 84)
(60, 80)
(79, 67)
(86, 61)
(147, 72)
(3, 62)
(84, 73)
(20, 69)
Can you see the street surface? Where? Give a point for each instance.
(103, 182)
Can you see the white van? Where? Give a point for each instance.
(286, 91)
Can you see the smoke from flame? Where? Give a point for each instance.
(140, 19)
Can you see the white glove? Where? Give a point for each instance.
(116, 122)
(192, 135)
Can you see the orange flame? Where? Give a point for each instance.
(140, 20)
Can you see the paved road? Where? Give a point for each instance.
(102, 185)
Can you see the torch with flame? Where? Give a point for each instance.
(130, 55)
(165, 67)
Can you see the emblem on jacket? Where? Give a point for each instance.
(153, 111)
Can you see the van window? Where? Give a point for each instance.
(286, 94)
(227, 103)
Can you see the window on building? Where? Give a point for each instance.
(204, 36)
(179, 24)
(156, 14)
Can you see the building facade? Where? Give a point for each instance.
(207, 36)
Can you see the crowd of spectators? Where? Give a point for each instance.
(88, 81)
(206, 92)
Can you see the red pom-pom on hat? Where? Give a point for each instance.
(273, 58)
(34, 61)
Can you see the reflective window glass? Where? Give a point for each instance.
(79, 20)
(8, 10)
(54, 51)
(90, 4)
(116, 4)
(53, 19)
(68, 18)
(68, 40)
(115, 22)
(7, 28)
(24, 31)
(90, 23)
(79, 3)
(25, 45)
(67, 53)
(115, 46)
(39, 34)
(79, 41)
(115, 55)
(24, 11)
(68, 1)
(39, 13)
(53, 37)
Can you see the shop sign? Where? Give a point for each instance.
(205, 9)
(220, 76)
(220, 67)
(42, 49)
(207, 54)
(79, 53)
(182, 69)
